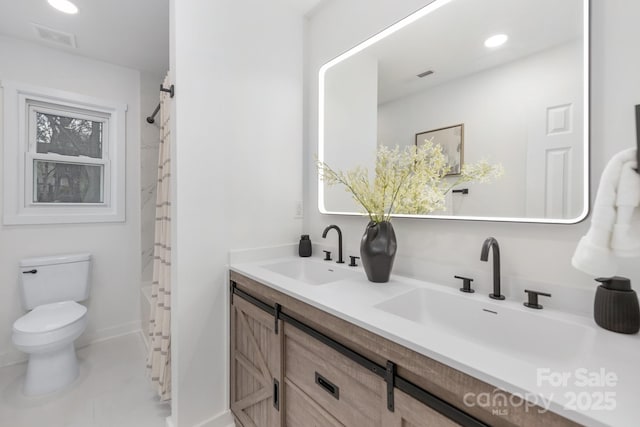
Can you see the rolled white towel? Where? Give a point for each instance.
(625, 239)
(594, 259)
(612, 218)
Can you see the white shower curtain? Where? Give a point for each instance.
(159, 357)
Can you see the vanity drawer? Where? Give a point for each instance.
(350, 393)
(303, 411)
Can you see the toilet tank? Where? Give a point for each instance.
(54, 278)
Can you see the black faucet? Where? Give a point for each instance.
(484, 256)
(324, 236)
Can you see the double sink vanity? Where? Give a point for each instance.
(313, 343)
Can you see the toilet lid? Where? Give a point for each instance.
(49, 317)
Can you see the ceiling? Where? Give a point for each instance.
(131, 33)
(449, 41)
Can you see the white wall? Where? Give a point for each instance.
(114, 301)
(351, 107)
(495, 106)
(535, 255)
(237, 67)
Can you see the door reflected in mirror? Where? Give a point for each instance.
(441, 74)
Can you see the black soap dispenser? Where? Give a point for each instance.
(616, 306)
(304, 248)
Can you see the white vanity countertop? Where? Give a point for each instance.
(602, 379)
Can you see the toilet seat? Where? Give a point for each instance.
(49, 326)
(49, 317)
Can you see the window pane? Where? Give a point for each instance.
(67, 183)
(68, 136)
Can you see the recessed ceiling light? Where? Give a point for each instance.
(497, 40)
(64, 6)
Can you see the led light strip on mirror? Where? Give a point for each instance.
(560, 190)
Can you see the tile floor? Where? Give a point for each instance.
(112, 391)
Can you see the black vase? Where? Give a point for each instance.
(378, 250)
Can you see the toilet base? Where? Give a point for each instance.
(51, 371)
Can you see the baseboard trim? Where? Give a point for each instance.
(92, 337)
(223, 419)
(14, 356)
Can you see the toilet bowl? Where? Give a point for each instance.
(51, 288)
(47, 334)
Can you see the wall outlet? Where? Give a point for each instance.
(299, 212)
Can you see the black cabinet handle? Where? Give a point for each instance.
(276, 394)
(34, 271)
(328, 386)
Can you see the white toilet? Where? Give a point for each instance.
(50, 288)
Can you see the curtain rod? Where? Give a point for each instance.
(172, 92)
(151, 118)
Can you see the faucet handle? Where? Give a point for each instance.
(353, 261)
(327, 255)
(533, 299)
(466, 284)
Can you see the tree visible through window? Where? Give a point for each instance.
(77, 179)
(67, 183)
(68, 136)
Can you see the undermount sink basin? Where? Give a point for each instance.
(492, 324)
(310, 272)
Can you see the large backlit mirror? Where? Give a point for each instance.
(523, 104)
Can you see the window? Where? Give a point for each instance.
(66, 155)
(65, 152)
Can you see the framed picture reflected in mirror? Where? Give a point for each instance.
(451, 139)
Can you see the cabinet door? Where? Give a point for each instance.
(255, 366)
(409, 412)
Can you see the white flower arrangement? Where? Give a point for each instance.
(410, 181)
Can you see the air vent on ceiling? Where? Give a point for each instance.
(54, 36)
(425, 74)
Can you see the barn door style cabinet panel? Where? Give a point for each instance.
(256, 359)
(297, 366)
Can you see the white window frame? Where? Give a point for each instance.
(20, 104)
(32, 155)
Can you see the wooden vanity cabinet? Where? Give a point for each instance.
(289, 378)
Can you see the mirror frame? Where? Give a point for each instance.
(436, 4)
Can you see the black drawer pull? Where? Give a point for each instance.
(328, 386)
(34, 271)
